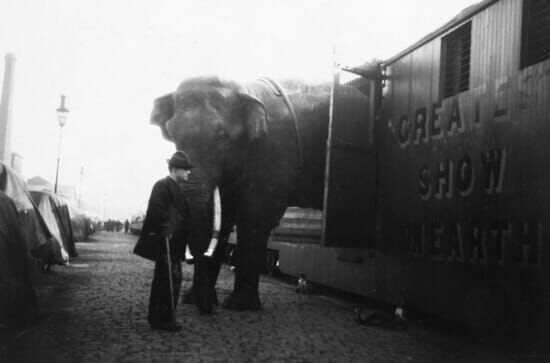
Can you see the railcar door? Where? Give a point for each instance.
(351, 173)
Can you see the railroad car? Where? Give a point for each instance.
(437, 179)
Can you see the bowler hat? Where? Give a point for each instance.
(179, 160)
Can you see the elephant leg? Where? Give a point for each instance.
(227, 196)
(252, 244)
(213, 269)
(203, 286)
(200, 221)
(219, 253)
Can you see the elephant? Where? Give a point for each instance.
(264, 149)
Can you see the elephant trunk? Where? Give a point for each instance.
(199, 193)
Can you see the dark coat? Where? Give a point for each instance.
(166, 214)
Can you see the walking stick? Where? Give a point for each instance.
(167, 240)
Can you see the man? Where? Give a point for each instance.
(165, 221)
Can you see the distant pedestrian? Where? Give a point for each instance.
(126, 226)
(162, 240)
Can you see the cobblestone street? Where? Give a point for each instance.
(94, 310)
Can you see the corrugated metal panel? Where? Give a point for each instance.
(462, 17)
(352, 277)
(421, 75)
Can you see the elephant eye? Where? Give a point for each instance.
(221, 134)
(190, 101)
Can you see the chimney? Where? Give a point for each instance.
(5, 110)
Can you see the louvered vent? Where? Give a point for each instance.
(455, 51)
(536, 32)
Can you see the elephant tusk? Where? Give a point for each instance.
(188, 256)
(208, 253)
(211, 247)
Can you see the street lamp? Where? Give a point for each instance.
(62, 115)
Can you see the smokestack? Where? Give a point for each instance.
(5, 109)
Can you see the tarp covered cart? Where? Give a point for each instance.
(55, 212)
(38, 238)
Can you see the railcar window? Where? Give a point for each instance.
(535, 46)
(455, 61)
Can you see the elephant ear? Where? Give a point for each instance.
(163, 111)
(255, 117)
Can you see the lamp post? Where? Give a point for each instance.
(62, 115)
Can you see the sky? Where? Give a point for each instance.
(112, 58)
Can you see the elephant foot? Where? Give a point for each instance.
(205, 303)
(242, 301)
(190, 298)
(205, 308)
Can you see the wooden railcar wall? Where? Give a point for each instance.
(505, 114)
